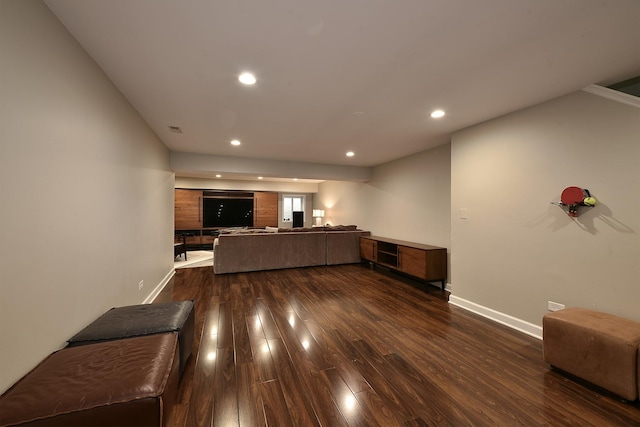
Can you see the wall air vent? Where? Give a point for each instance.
(175, 129)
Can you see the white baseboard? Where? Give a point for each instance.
(160, 287)
(504, 319)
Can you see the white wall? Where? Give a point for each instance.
(516, 251)
(407, 199)
(343, 203)
(208, 164)
(86, 190)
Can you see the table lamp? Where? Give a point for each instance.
(318, 214)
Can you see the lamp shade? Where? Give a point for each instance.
(318, 213)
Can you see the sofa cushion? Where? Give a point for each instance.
(341, 227)
(299, 230)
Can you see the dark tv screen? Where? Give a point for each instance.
(218, 212)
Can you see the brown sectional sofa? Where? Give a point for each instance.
(256, 250)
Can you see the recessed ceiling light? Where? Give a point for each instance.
(350, 154)
(436, 114)
(259, 177)
(235, 142)
(295, 179)
(247, 78)
(218, 176)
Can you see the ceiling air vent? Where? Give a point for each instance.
(175, 129)
(631, 86)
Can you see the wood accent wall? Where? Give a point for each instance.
(265, 209)
(188, 209)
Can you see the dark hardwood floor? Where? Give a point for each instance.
(350, 346)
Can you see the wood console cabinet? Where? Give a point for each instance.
(425, 262)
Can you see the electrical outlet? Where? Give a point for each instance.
(141, 285)
(554, 306)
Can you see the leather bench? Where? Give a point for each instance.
(598, 347)
(143, 319)
(129, 382)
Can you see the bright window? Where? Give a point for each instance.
(291, 204)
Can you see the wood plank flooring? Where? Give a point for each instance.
(350, 346)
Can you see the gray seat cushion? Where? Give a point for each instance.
(144, 319)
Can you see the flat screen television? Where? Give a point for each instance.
(227, 212)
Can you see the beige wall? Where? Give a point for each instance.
(86, 190)
(516, 251)
(308, 209)
(406, 199)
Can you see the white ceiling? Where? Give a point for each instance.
(318, 63)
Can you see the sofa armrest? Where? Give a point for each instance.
(343, 247)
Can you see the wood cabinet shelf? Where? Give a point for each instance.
(425, 262)
(387, 252)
